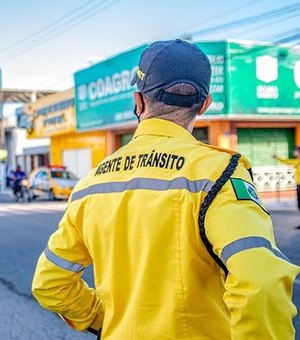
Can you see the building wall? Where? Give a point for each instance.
(270, 176)
(223, 133)
(93, 140)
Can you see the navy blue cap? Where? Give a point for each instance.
(166, 63)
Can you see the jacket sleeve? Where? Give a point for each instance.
(287, 161)
(258, 288)
(57, 282)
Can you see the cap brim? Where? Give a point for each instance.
(134, 80)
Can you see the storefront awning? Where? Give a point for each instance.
(22, 96)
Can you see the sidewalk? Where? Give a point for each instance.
(286, 204)
(282, 201)
(6, 195)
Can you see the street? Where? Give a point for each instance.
(24, 231)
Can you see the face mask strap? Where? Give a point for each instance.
(142, 110)
(135, 112)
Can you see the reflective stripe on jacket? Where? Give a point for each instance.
(135, 217)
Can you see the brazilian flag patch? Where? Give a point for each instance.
(245, 191)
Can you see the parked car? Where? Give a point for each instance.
(54, 182)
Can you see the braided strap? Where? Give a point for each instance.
(207, 202)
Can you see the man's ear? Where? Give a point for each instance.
(205, 104)
(139, 102)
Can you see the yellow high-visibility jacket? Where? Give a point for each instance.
(135, 217)
(295, 162)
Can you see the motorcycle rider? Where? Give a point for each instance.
(18, 176)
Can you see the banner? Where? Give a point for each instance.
(55, 119)
(103, 94)
(247, 79)
(265, 79)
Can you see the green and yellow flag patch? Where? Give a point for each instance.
(245, 191)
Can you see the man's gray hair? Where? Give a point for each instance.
(176, 114)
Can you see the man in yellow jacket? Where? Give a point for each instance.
(181, 245)
(296, 163)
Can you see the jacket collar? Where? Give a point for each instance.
(162, 127)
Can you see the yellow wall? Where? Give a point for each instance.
(94, 140)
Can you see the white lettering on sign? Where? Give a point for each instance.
(92, 90)
(217, 70)
(216, 59)
(107, 86)
(217, 106)
(82, 92)
(297, 94)
(267, 92)
(117, 82)
(217, 88)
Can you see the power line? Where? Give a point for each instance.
(262, 48)
(60, 30)
(287, 33)
(58, 22)
(223, 14)
(274, 22)
(295, 8)
(291, 38)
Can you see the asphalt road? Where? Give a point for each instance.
(24, 231)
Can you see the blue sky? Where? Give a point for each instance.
(102, 28)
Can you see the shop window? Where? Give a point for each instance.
(43, 159)
(201, 134)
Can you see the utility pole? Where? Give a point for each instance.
(2, 129)
(2, 136)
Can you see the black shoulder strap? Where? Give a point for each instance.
(208, 200)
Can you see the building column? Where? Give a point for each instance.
(223, 134)
(297, 135)
(111, 144)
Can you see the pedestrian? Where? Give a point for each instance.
(296, 163)
(181, 245)
(9, 176)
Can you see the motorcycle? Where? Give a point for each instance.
(21, 191)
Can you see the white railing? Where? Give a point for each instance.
(274, 178)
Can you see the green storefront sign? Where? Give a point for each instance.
(103, 94)
(216, 52)
(247, 79)
(264, 79)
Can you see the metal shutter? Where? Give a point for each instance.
(260, 144)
